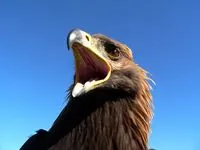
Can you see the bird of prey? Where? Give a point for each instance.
(109, 102)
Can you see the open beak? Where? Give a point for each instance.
(92, 69)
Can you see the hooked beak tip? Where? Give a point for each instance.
(68, 37)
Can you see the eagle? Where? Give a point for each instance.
(109, 102)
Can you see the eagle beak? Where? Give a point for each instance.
(92, 69)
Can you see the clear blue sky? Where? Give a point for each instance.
(36, 68)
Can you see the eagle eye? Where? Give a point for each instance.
(112, 51)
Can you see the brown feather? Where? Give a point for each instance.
(121, 123)
(115, 116)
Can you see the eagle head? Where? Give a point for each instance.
(102, 63)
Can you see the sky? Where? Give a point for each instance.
(36, 68)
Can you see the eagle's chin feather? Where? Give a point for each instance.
(116, 115)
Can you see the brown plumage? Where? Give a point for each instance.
(114, 114)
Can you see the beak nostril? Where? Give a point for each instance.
(87, 38)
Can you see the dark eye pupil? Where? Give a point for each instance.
(112, 50)
(114, 53)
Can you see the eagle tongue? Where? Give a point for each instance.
(80, 88)
(89, 83)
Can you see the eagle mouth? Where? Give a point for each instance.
(91, 69)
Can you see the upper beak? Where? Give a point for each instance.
(79, 36)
